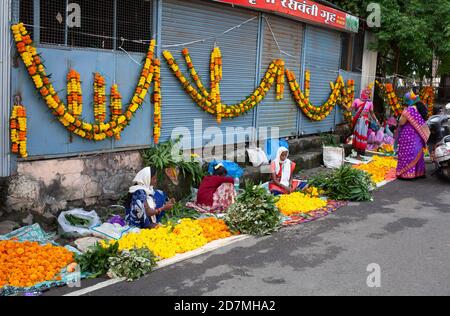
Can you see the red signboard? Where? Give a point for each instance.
(303, 10)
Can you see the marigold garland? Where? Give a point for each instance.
(157, 104)
(205, 99)
(25, 264)
(99, 98)
(74, 94)
(211, 101)
(428, 95)
(18, 131)
(394, 102)
(43, 84)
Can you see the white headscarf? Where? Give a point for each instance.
(143, 182)
(287, 164)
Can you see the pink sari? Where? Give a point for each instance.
(413, 137)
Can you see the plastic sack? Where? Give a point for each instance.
(333, 157)
(29, 233)
(70, 231)
(257, 157)
(110, 231)
(232, 168)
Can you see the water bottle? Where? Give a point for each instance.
(237, 184)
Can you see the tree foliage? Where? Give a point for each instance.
(411, 32)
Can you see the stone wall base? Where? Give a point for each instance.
(44, 188)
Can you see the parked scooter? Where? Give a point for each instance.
(439, 143)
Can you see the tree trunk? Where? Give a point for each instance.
(397, 66)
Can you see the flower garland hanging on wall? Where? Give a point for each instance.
(99, 98)
(116, 105)
(74, 94)
(427, 95)
(339, 94)
(43, 84)
(157, 104)
(211, 101)
(18, 131)
(394, 102)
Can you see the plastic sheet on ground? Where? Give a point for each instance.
(35, 233)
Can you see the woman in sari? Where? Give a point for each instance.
(145, 207)
(216, 193)
(361, 121)
(283, 175)
(413, 137)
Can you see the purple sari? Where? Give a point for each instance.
(413, 137)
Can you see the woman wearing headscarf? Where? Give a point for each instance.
(364, 113)
(283, 175)
(216, 192)
(412, 139)
(145, 207)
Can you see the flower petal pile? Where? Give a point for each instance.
(214, 229)
(380, 168)
(25, 264)
(299, 203)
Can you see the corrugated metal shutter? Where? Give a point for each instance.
(186, 21)
(5, 62)
(322, 58)
(347, 76)
(281, 113)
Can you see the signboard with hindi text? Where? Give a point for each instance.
(305, 11)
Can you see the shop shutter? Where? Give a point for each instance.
(322, 59)
(186, 21)
(272, 112)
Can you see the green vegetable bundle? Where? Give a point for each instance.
(132, 264)
(77, 221)
(254, 213)
(345, 184)
(96, 259)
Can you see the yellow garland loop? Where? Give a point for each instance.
(18, 131)
(43, 84)
(211, 101)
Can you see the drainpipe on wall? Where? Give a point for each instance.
(5, 86)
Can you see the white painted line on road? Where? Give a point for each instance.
(168, 262)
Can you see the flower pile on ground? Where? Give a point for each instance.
(380, 168)
(166, 241)
(386, 149)
(300, 203)
(214, 229)
(25, 264)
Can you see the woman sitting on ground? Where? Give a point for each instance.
(283, 175)
(216, 193)
(145, 207)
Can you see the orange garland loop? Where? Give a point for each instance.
(18, 131)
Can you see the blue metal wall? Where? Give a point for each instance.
(289, 34)
(247, 51)
(199, 20)
(322, 58)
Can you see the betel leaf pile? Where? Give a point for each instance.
(345, 184)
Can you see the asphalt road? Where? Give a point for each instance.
(406, 231)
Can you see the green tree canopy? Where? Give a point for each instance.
(411, 32)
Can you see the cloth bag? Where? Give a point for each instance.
(257, 157)
(68, 230)
(333, 157)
